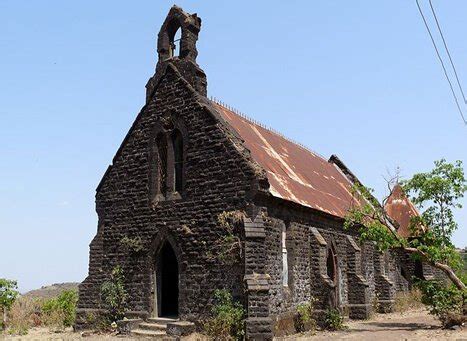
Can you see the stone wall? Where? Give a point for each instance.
(309, 237)
(217, 179)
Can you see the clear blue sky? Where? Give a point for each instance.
(356, 78)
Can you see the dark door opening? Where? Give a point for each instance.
(167, 282)
(418, 269)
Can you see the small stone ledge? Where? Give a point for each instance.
(127, 325)
(386, 279)
(353, 244)
(361, 280)
(254, 229)
(137, 314)
(328, 280)
(257, 282)
(319, 238)
(180, 328)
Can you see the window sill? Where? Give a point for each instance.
(165, 200)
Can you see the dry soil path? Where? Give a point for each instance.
(413, 325)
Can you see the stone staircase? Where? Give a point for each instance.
(155, 328)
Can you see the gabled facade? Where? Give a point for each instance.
(190, 173)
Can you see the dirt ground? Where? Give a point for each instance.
(43, 334)
(413, 325)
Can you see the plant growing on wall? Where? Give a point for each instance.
(114, 295)
(227, 248)
(437, 193)
(133, 245)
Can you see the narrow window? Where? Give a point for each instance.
(285, 266)
(331, 265)
(177, 141)
(161, 179)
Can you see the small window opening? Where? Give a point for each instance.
(177, 141)
(418, 270)
(403, 273)
(285, 266)
(161, 143)
(175, 43)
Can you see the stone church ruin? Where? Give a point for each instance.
(218, 201)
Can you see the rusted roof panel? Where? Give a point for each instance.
(401, 209)
(294, 172)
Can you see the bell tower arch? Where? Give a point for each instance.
(183, 60)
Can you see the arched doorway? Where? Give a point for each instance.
(166, 300)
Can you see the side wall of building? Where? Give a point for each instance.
(358, 284)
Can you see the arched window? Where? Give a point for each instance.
(161, 179)
(175, 44)
(331, 265)
(177, 143)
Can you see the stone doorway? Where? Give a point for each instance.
(167, 280)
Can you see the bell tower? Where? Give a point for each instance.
(183, 56)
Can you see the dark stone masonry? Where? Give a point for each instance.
(192, 174)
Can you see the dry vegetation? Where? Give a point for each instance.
(408, 300)
(56, 313)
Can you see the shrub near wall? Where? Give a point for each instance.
(227, 322)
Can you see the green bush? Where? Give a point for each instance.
(442, 300)
(8, 294)
(227, 321)
(60, 311)
(306, 320)
(333, 320)
(114, 295)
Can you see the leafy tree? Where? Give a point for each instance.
(437, 193)
(8, 294)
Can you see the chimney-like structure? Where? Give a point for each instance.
(185, 62)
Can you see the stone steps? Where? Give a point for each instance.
(162, 320)
(154, 327)
(159, 334)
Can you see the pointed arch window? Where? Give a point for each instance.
(161, 178)
(331, 265)
(177, 143)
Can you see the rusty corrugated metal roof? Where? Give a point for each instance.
(401, 209)
(294, 172)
